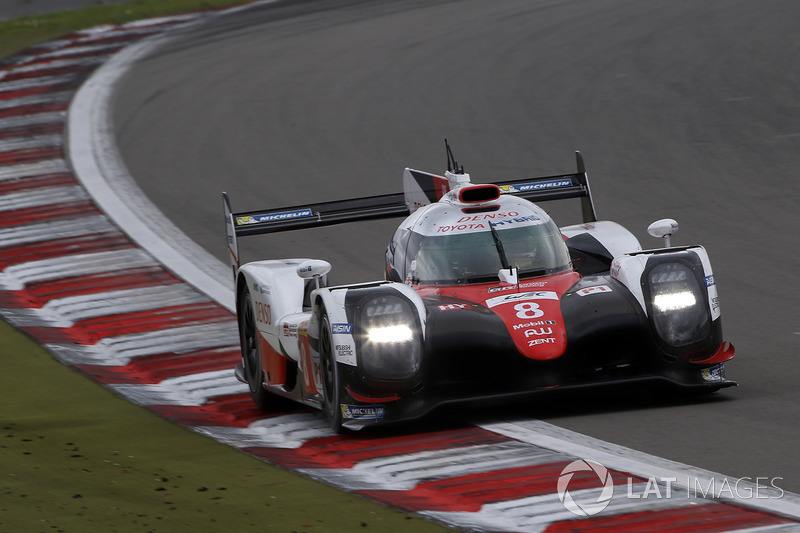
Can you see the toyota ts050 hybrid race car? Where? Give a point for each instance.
(484, 298)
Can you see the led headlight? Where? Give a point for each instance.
(391, 347)
(679, 313)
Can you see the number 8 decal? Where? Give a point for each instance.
(528, 310)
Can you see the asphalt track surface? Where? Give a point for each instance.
(682, 109)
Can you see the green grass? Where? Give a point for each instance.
(18, 34)
(74, 457)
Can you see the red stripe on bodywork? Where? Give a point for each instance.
(153, 369)
(705, 518)
(89, 332)
(345, 451)
(469, 493)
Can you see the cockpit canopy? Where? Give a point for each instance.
(443, 244)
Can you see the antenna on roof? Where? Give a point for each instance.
(452, 164)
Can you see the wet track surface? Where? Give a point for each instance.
(681, 110)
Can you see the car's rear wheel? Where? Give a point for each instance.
(251, 354)
(330, 376)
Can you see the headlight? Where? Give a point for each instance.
(679, 313)
(391, 347)
(391, 334)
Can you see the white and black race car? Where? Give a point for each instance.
(485, 299)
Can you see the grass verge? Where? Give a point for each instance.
(18, 34)
(75, 457)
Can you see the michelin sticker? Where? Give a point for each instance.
(714, 373)
(363, 412)
(273, 217)
(537, 186)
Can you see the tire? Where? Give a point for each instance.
(330, 376)
(251, 355)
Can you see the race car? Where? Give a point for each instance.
(485, 299)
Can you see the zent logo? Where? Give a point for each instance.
(590, 508)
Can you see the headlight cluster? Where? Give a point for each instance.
(679, 313)
(391, 347)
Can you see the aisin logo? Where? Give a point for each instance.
(591, 508)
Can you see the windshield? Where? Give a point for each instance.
(474, 257)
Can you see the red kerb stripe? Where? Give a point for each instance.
(156, 368)
(345, 451)
(705, 518)
(469, 493)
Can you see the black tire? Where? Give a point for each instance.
(330, 376)
(251, 355)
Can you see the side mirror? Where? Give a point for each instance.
(664, 228)
(313, 268)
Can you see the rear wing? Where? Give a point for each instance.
(420, 188)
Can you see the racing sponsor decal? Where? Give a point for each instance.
(536, 342)
(476, 222)
(289, 329)
(452, 307)
(363, 412)
(342, 329)
(344, 350)
(714, 373)
(261, 288)
(516, 220)
(273, 217)
(593, 290)
(538, 332)
(460, 227)
(521, 297)
(263, 313)
(537, 186)
(487, 216)
(709, 280)
(528, 285)
(534, 324)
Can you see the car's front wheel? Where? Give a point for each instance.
(251, 354)
(330, 376)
